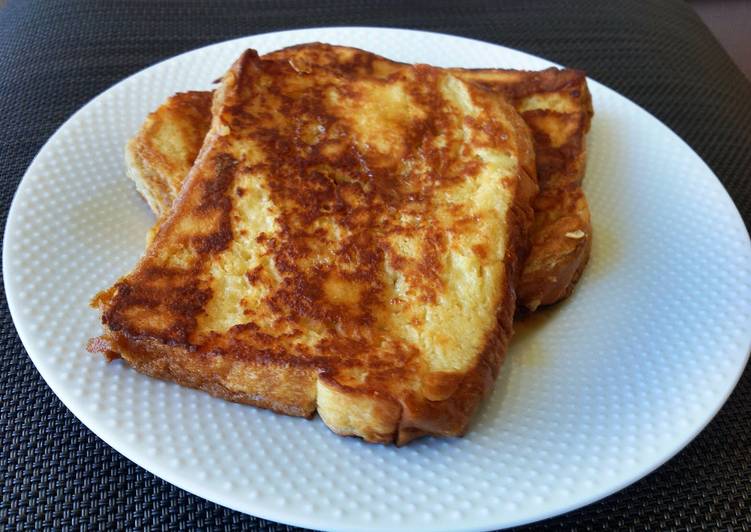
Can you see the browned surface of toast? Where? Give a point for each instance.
(159, 158)
(557, 107)
(555, 104)
(347, 241)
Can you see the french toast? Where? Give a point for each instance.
(555, 103)
(347, 242)
(159, 158)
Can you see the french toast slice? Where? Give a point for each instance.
(555, 104)
(346, 242)
(159, 158)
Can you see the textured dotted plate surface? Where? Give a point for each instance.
(594, 394)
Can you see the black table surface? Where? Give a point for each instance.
(56, 55)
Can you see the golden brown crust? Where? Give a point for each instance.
(557, 106)
(560, 247)
(554, 103)
(282, 389)
(162, 153)
(451, 416)
(153, 318)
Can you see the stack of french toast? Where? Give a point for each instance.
(342, 234)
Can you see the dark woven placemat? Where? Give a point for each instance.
(56, 55)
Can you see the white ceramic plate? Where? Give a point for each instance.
(594, 394)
